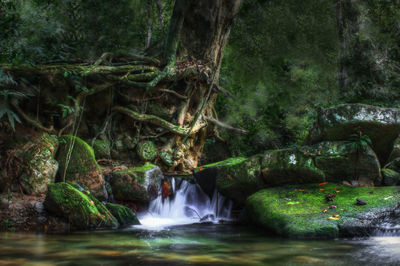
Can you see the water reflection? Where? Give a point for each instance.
(192, 244)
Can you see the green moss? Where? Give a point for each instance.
(297, 211)
(82, 156)
(227, 162)
(147, 151)
(83, 167)
(82, 210)
(124, 215)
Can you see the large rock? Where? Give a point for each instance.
(289, 166)
(124, 215)
(138, 184)
(81, 166)
(38, 167)
(303, 211)
(382, 125)
(82, 210)
(332, 161)
(341, 161)
(235, 178)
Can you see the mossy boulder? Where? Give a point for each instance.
(382, 125)
(82, 167)
(395, 165)
(235, 178)
(101, 149)
(390, 177)
(396, 150)
(83, 211)
(124, 215)
(289, 166)
(138, 184)
(38, 167)
(167, 157)
(147, 151)
(303, 211)
(341, 161)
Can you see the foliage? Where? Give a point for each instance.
(287, 56)
(43, 31)
(8, 96)
(359, 141)
(372, 58)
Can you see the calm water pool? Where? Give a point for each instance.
(192, 245)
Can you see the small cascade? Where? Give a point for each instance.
(387, 229)
(187, 204)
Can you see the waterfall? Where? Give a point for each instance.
(187, 204)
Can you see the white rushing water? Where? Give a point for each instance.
(189, 204)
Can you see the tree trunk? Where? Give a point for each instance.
(198, 34)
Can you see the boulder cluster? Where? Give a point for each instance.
(352, 151)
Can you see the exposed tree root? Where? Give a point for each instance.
(155, 120)
(32, 121)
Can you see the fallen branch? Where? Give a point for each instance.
(226, 126)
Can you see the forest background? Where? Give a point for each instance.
(285, 60)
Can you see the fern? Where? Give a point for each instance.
(12, 116)
(10, 96)
(360, 141)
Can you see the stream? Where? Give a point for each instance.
(195, 244)
(186, 229)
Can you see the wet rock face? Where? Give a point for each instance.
(38, 167)
(81, 209)
(138, 184)
(382, 125)
(81, 166)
